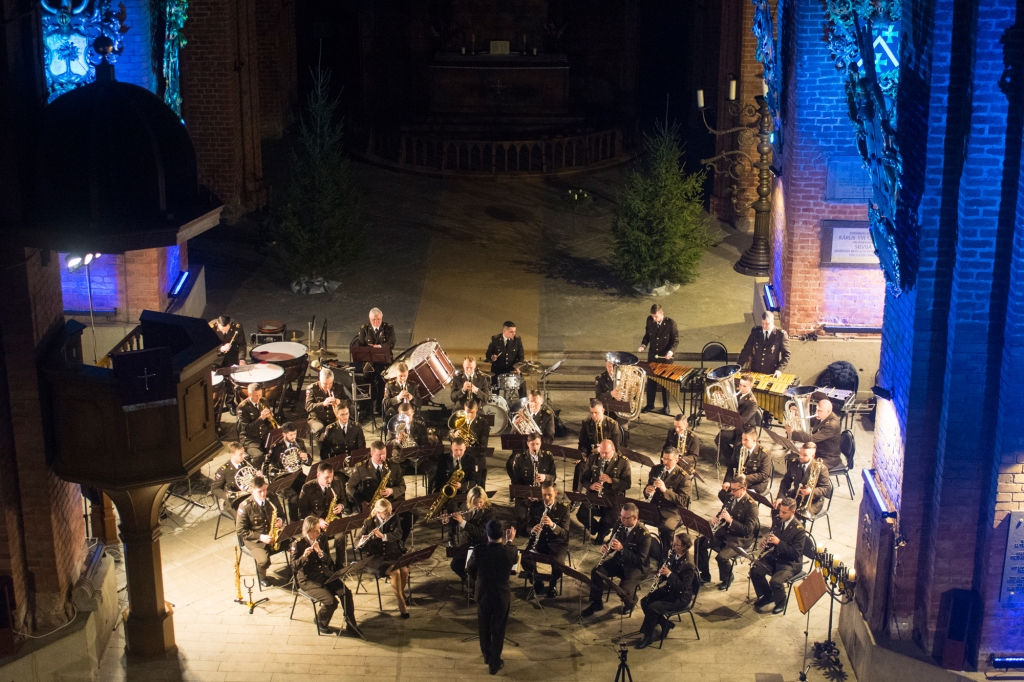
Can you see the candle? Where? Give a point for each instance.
(463, 50)
(764, 88)
(852, 575)
(732, 90)
(700, 99)
(835, 563)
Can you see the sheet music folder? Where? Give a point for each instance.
(376, 356)
(783, 441)
(726, 419)
(694, 522)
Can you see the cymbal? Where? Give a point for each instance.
(321, 353)
(529, 367)
(621, 358)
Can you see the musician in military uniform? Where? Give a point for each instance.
(447, 465)
(548, 526)
(471, 524)
(254, 424)
(597, 428)
(757, 466)
(367, 477)
(378, 334)
(341, 437)
(631, 545)
(417, 428)
(470, 384)
(609, 474)
(661, 337)
(253, 525)
(320, 401)
(232, 341)
(323, 497)
(806, 481)
(505, 351)
(532, 467)
(750, 415)
(767, 348)
(223, 487)
(604, 390)
(784, 559)
(400, 390)
(673, 591)
(480, 434)
(381, 538)
(289, 441)
(313, 569)
(668, 488)
(683, 439)
(826, 433)
(542, 415)
(737, 526)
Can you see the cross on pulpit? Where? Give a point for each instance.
(498, 87)
(146, 376)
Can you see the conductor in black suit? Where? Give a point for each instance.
(661, 337)
(492, 565)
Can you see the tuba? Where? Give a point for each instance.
(458, 427)
(631, 381)
(798, 407)
(720, 387)
(448, 492)
(400, 428)
(524, 423)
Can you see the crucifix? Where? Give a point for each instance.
(498, 87)
(145, 376)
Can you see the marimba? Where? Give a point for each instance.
(770, 392)
(672, 377)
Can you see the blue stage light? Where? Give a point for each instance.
(179, 283)
(876, 493)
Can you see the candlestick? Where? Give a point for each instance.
(732, 90)
(700, 99)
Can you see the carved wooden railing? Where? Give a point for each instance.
(131, 342)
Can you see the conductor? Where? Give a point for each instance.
(492, 565)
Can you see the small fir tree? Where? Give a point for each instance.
(659, 226)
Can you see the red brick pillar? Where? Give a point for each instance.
(275, 28)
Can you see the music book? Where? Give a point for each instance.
(810, 590)
(377, 356)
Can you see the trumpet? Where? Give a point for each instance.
(273, 422)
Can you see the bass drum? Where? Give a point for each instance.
(429, 367)
(499, 408)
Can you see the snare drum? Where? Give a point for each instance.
(270, 376)
(509, 383)
(499, 408)
(429, 367)
(289, 355)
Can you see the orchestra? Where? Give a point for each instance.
(608, 474)
(532, 467)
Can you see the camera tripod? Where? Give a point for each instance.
(623, 674)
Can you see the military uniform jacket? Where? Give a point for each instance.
(383, 337)
(766, 356)
(364, 481)
(313, 570)
(508, 353)
(521, 468)
(313, 501)
(391, 546)
(750, 413)
(253, 519)
(224, 479)
(636, 548)
(617, 468)
(480, 380)
(251, 426)
(446, 467)
(545, 419)
(679, 584)
(790, 550)
(315, 409)
(691, 448)
(342, 441)
(482, 433)
(393, 389)
(558, 535)
(758, 470)
(744, 516)
(660, 338)
(797, 477)
(236, 336)
(281, 446)
(476, 525)
(677, 487)
(826, 434)
(591, 434)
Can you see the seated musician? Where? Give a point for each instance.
(254, 424)
(232, 341)
(324, 497)
(750, 415)
(532, 467)
(757, 464)
(447, 465)
(630, 545)
(826, 432)
(672, 593)
(668, 488)
(471, 524)
(400, 390)
(253, 524)
(342, 436)
(604, 390)
(224, 487)
(367, 477)
(606, 473)
(313, 568)
(289, 441)
(382, 539)
(542, 415)
(735, 528)
(505, 351)
(548, 526)
(684, 440)
(593, 430)
(320, 400)
(469, 383)
(783, 560)
(767, 348)
(376, 334)
(480, 434)
(661, 336)
(807, 481)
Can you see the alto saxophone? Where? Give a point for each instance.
(448, 491)
(275, 532)
(379, 493)
(330, 510)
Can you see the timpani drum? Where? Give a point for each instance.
(429, 367)
(219, 389)
(499, 408)
(288, 355)
(270, 376)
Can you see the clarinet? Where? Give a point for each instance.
(611, 552)
(657, 578)
(535, 537)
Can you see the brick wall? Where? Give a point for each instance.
(135, 64)
(275, 28)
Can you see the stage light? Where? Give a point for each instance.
(876, 493)
(1008, 661)
(179, 283)
(73, 261)
(883, 393)
(771, 301)
(86, 259)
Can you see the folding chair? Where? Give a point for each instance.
(688, 609)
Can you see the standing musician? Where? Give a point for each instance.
(223, 487)
(447, 465)
(542, 415)
(472, 522)
(232, 341)
(481, 431)
(548, 524)
(341, 437)
(683, 439)
(799, 482)
(826, 432)
(315, 500)
(320, 400)
(757, 464)
(767, 348)
(367, 477)
(629, 548)
(673, 590)
(290, 440)
(668, 487)
(604, 390)
(606, 473)
(735, 529)
(505, 351)
(470, 384)
(533, 467)
(783, 560)
(378, 334)
(400, 390)
(491, 563)
(313, 568)
(750, 415)
(254, 424)
(660, 340)
(252, 525)
(382, 539)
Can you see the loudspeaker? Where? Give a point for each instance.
(954, 628)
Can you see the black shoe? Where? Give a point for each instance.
(405, 616)
(590, 610)
(663, 410)
(551, 593)
(498, 666)
(779, 608)
(763, 601)
(705, 578)
(644, 642)
(647, 409)
(597, 541)
(724, 585)
(327, 629)
(626, 610)
(265, 583)
(670, 624)
(487, 661)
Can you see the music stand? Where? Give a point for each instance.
(808, 592)
(410, 558)
(627, 599)
(725, 419)
(695, 522)
(594, 500)
(513, 441)
(417, 455)
(346, 524)
(618, 406)
(760, 499)
(566, 454)
(371, 355)
(530, 492)
(340, 575)
(783, 441)
(648, 512)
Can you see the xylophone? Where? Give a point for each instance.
(770, 392)
(672, 377)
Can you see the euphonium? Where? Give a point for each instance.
(448, 492)
(458, 426)
(798, 407)
(631, 381)
(400, 427)
(524, 423)
(273, 422)
(384, 478)
(720, 387)
(330, 510)
(275, 532)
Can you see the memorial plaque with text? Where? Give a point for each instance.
(848, 180)
(1013, 568)
(847, 244)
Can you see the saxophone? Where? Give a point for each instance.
(448, 491)
(275, 532)
(330, 510)
(379, 493)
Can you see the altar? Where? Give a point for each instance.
(500, 84)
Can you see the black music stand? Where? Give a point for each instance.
(695, 522)
(417, 455)
(594, 500)
(640, 458)
(783, 441)
(410, 558)
(760, 499)
(530, 492)
(344, 572)
(725, 419)
(647, 512)
(627, 599)
(513, 441)
(566, 454)
(411, 506)
(346, 524)
(376, 357)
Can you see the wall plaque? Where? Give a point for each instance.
(847, 244)
(1013, 568)
(499, 47)
(848, 180)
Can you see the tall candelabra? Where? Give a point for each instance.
(741, 165)
(841, 584)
